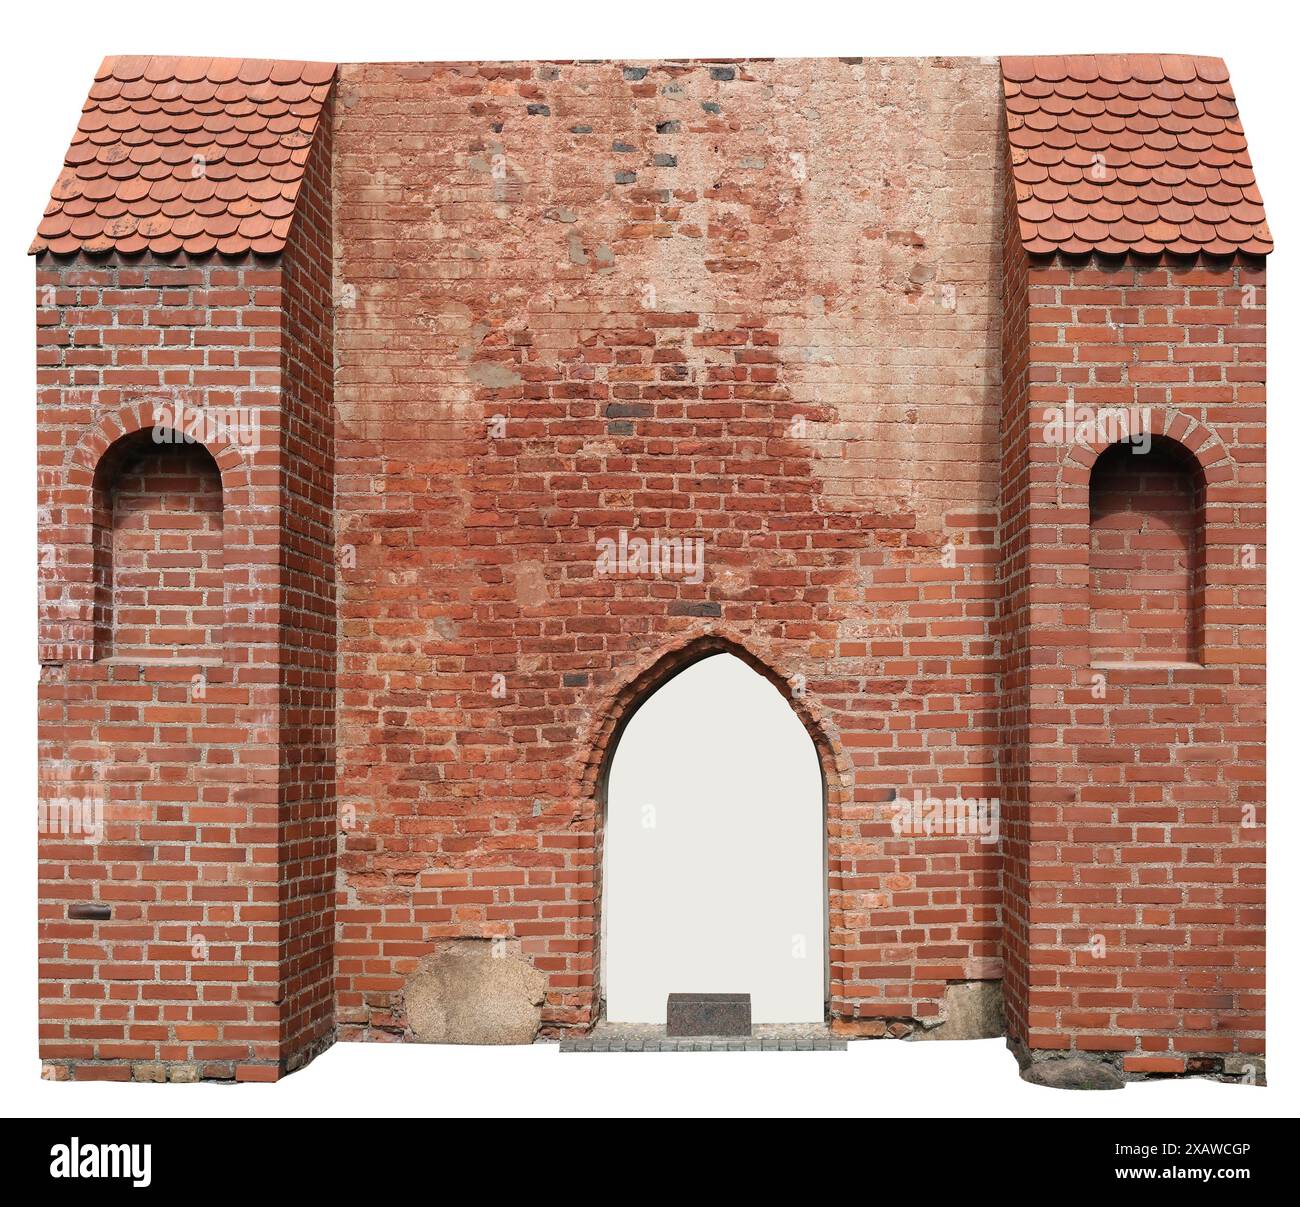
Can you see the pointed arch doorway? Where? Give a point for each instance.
(714, 876)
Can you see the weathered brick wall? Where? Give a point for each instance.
(752, 304)
(1144, 892)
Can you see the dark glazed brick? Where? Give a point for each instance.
(709, 1014)
(627, 410)
(682, 607)
(90, 910)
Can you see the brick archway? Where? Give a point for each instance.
(613, 720)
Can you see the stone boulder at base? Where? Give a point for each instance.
(474, 992)
(972, 1010)
(1072, 1073)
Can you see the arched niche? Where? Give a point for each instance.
(1146, 554)
(158, 550)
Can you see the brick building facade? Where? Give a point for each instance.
(955, 367)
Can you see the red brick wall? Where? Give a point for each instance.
(309, 828)
(1019, 489)
(1143, 895)
(707, 302)
(181, 755)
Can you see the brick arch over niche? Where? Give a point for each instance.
(74, 607)
(1199, 441)
(837, 776)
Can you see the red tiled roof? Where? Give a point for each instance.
(1130, 153)
(192, 154)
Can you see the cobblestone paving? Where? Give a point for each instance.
(646, 1037)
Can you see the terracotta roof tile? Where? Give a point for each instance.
(1130, 153)
(180, 153)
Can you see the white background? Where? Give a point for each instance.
(52, 57)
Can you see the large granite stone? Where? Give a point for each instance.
(972, 1010)
(1072, 1073)
(473, 992)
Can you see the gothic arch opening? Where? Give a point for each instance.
(714, 871)
(1146, 560)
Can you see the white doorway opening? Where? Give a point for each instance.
(714, 852)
